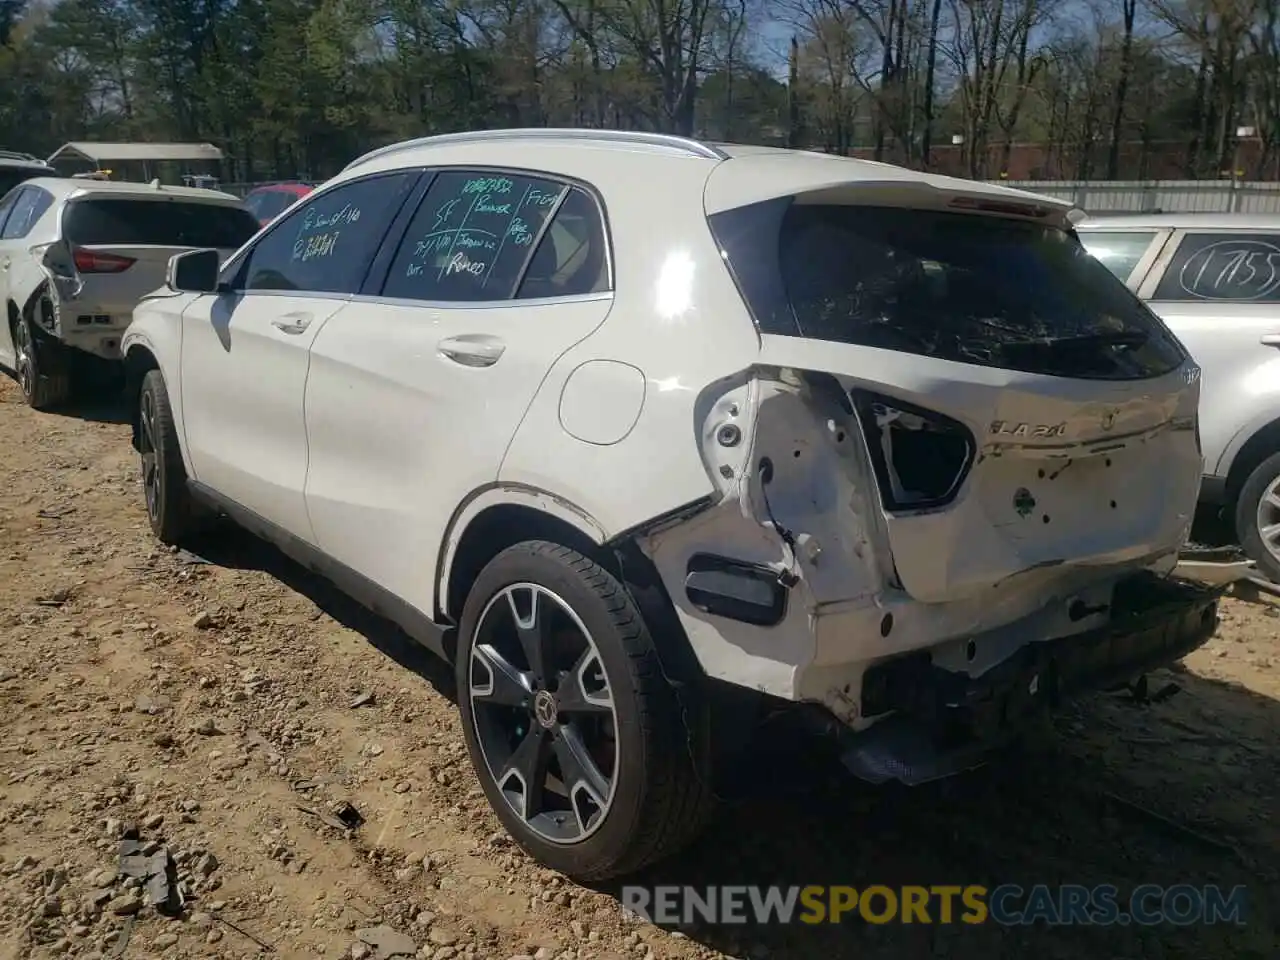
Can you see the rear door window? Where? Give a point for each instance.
(968, 288)
(7, 201)
(156, 223)
(1120, 251)
(472, 237)
(30, 205)
(1223, 267)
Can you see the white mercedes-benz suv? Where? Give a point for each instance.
(633, 429)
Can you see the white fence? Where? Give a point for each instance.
(1159, 196)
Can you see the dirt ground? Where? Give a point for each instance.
(207, 702)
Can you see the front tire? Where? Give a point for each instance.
(590, 758)
(1258, 517)
(170, 509)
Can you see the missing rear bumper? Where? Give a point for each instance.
(944, 722)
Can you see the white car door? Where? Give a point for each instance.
(415, 392)
(245, 350)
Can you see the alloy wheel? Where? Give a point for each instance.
(150, 458)
(1269, 518)
(543, 712)
(25, 359)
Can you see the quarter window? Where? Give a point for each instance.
(571, 259)
(1223, 267)
(1119, 252)
(472, 236)
(325, 244)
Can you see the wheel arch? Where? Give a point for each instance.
(138, 361)
(501, 516)
(15, 313)
(492, 519)
(1261, 443)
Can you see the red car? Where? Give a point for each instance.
(269, 201)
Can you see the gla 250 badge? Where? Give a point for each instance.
(1006, 428)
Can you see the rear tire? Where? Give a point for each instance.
(45, 385)
(170, 509)
(1258, 517)
(556, 667)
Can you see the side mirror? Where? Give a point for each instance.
(194, 272)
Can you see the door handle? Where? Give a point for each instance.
(292, 323)
(1271, 340)
(473, 350)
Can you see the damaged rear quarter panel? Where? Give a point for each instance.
(42, 262)
(824, 539)
(819, 523)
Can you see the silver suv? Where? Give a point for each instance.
(1215, 280)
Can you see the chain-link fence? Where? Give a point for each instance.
(1159, 196)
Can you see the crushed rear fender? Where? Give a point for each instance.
(813, 563)
(49, 267)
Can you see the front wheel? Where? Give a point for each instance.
(164, 478)
(585, 751)
(1258, 517)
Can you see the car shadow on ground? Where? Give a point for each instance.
(1119, 792)
(228, 546)
(97, 406)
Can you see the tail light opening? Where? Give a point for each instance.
(920, 458)
(93, 261)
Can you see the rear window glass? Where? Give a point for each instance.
(959, 287)
(1119, 252)
(159, 223)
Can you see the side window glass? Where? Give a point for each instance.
(1230, 267)
(253, 202)
(6, 206)
(325, 245)
(572, 258)
(471, 237)
(27, 209)
(1119, 252)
